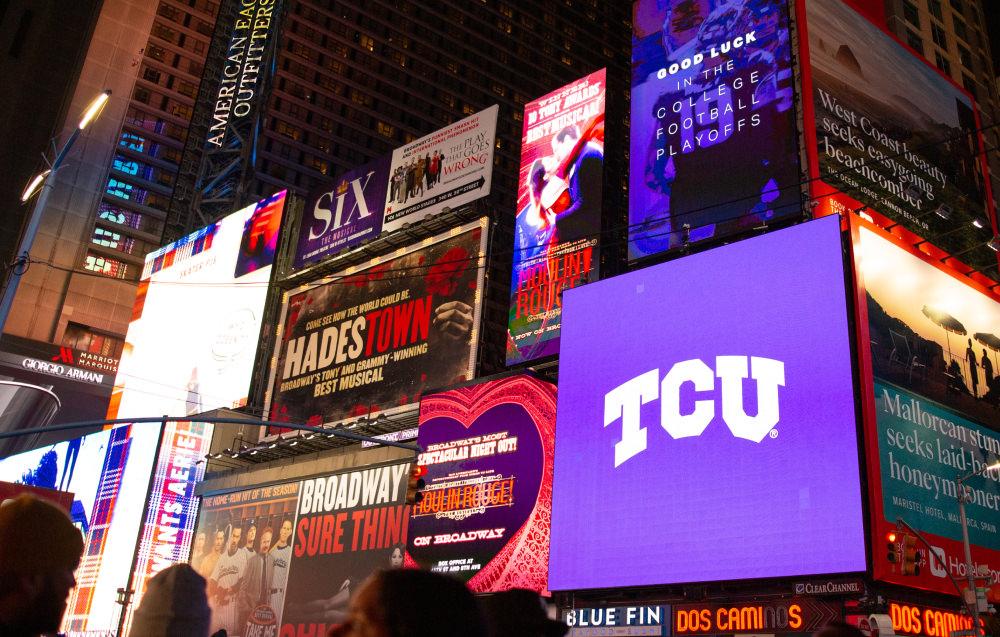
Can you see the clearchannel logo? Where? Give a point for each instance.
(625, 401)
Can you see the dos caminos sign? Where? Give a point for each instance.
(721, 427)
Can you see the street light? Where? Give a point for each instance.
(42, 182)
(963, 496)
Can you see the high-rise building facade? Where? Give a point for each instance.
(951, 34)
(109, 200)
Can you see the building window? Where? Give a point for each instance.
(969, 84)
(367, 42)
(385, 130)
(120, 216)
(942, 63)
(82, 337)
(965, 56)
(960, 29)
(151, 75)
(321, 165)
(934, 6)
(108, 267)
(910, 13)
(940, 38)
(286, 129)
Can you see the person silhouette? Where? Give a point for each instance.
(970, 356)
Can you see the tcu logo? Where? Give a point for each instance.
(624, 401)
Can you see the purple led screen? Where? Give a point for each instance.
(738, 457)
(344, 213)
(713, 136)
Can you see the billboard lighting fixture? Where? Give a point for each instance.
(943, 211)
(254, 452)
(994, 243)
(293, 443)
(978, 222)
(272, 445)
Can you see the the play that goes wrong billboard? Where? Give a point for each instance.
(933, 345)
(713, 136)
(486, 511)
(558, 220)
(718, 441)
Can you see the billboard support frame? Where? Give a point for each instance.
(214, 420)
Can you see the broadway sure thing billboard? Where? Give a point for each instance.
(891, 132)
(558, 220)
(934, 343)
(486, 510)
(374, 338)
(724, 447)
(285, 559)
(713, 136)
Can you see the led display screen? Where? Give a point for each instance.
(486, 509)
(108, 474)
(373, 339)
(908, 150)
(558, 221)
(196, 321)
(713, 136)
(934, 345)
(709, 431)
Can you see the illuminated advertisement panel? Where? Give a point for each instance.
(713, 136)
(449, 168)
(933, 356)
(907, 150)
(374, 338)
(286, 559)
(240, 531)
(342, 215)
(926, 621)
(558, 220)
(169, 526)
(190, 346)
(796, 615)
(487, 507)
(108, 474)
(692, 455)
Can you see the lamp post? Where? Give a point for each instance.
(963, 497)
(42, 182)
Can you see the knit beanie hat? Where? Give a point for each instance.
(175, 605)
(36, 537)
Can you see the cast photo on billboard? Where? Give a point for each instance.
(374, 338)
(558, 220)
(196, 321)
(243, 548)
(448, 168)
(910, 150)
(344, 213)
(106, 475)
(286, 559)
(486, 512)
(934, 364)
(700, 441)
(713, 133)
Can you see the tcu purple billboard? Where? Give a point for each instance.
(713, 137)
(708, 432)
(343, 214)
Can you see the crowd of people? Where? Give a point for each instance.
(397, 602)
(418, 175)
